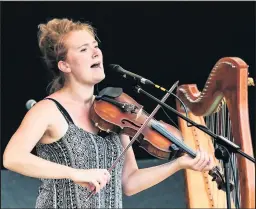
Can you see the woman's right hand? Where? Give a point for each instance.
(93, 179)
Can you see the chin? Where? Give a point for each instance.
(99, 78)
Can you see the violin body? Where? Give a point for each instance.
(127, 120)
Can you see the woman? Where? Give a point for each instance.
(72, 158)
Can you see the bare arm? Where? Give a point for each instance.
(136, 180)
(17, 156)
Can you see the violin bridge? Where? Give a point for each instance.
(138, 114)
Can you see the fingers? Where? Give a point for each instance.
(96, 184)
(196, 161)
(105, 178)
(90, 186)
(210, 164)
(107, 175)
(101, 180)
(93, 179)
(202, 161)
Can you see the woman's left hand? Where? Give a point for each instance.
(202, 162)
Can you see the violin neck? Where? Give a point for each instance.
(215, 172)
(179, 143)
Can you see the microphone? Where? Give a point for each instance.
(30, 103)
(119, 69)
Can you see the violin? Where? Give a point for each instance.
(115, 111)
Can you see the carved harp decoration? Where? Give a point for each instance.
(222, 106)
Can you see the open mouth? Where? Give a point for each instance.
(96, 65)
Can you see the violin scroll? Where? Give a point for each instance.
(219, 179)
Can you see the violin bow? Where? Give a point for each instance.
(139, 131)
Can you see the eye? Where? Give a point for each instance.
(83, 50)
(96, 46)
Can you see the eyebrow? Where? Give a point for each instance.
(86, 44)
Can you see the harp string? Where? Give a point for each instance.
(220, 123)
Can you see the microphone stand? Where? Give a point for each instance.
(223, 150)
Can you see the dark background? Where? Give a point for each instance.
(162, 41)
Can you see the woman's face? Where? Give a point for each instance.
(84, 58)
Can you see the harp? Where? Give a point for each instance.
(222, 106)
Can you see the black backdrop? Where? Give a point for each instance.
(163, 41)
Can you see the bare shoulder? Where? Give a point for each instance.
(40, 116)
(33, 127)
(43, 108)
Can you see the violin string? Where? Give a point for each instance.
(138, 132)
(170, 118)
(143, 126)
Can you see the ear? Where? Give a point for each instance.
(64, 67)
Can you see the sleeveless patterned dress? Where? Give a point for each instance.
(82, 150)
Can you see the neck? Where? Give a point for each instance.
(82, 94)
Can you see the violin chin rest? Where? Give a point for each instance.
(111, 92)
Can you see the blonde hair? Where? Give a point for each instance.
(51, 43)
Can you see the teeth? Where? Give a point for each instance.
(96, 65)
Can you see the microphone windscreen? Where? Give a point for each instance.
(115, 67)
(30, 103)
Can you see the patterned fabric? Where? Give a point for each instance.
(82, 150)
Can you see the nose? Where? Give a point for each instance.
(95, 53)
